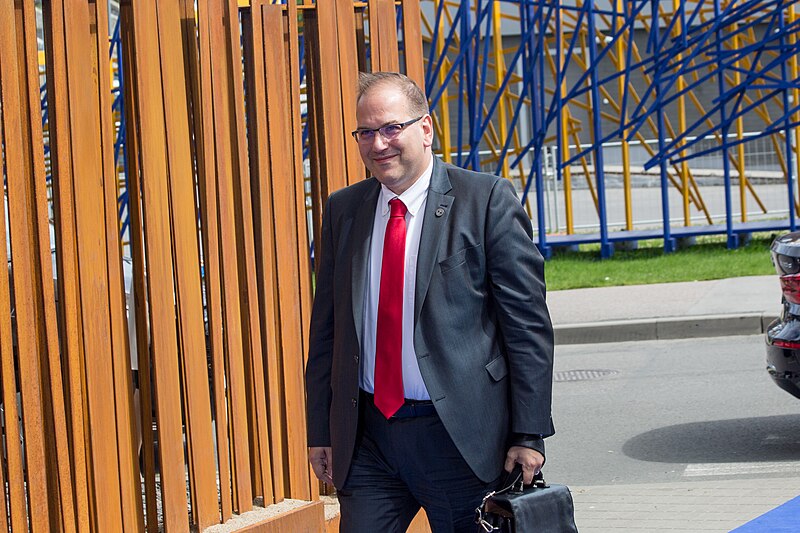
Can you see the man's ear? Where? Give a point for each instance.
(427, 130)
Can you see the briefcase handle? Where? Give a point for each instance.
(513, 481)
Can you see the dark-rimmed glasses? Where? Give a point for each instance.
(389, 132)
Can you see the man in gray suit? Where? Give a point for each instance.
(431, 348)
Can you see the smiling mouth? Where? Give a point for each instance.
(383, 159)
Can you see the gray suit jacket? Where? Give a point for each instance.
(482, 332)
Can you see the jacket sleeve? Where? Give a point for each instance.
(320, 351)
(516, 281)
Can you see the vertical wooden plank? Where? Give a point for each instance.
(206, 165)
(186, 265)
(303, 245)
(284, 207)
(22, 261)
(222, 25)
(6, 342)
(16, 480)
(92, 254)
(139, 280)
(59, 475)
(361, 40)
(319, 185)
(251, 339)
(412, 42)
(66, 251)
(4, 510)
(158, 249)
(261, 435)
(303, 239)
(327, 97)
(383, 36)
(36, 304)
(130, 491)
(265, 243)
(348, 76)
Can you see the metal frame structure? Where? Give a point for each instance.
(578, 57)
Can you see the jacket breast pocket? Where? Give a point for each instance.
(457, 259)
(497, 368)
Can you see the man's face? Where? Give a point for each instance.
(399, 162)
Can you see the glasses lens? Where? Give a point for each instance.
(391, 131)
(365, 136)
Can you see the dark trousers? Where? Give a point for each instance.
(401, 465)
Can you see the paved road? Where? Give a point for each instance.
(687, 435)
(674, 410)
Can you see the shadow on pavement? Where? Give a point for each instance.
(761, 439)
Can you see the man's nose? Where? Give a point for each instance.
(379, 142)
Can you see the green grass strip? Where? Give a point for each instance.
(709, 258)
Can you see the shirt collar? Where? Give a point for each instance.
(413, 197)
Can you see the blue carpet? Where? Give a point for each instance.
(783, 519)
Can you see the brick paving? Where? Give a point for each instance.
(703, 506)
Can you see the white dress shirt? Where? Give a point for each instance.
(414, 199)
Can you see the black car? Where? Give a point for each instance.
(783, 335)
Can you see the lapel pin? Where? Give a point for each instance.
(439, 211)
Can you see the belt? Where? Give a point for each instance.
(409, 409)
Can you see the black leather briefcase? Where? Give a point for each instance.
(535, 508)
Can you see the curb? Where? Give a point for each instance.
(663, 328)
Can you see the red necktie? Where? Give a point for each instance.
(389, 341)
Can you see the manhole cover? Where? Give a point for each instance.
(582, 375)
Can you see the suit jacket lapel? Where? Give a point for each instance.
(361, 241)
(437, 211)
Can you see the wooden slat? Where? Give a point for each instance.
(130, 491)
(303, 244)
(251, 339)
(265, 253)
(412, 42)
(202, 99)
(328, 98)
(160, 281)
(319, 185)
(186, 265)
(66, 252)
(22, 261)
(60, 477)
(361, 40)
(139, 281)
(260, 433)
(326, 135)
(303, 240)
(383, 36)
(284, 208)
(222, 26)
(30, 149)
(348, 75)
(6, 342)
(17, 500)
(92, 254)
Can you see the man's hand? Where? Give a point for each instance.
(321, 460)
(530, 460)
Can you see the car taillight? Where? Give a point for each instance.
(789, 345)
(790, 285)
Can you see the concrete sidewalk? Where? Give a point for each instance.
(719, 506)
(734, 306)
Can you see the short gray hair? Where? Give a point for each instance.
(417, 103)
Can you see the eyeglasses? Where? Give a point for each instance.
(389, 132)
